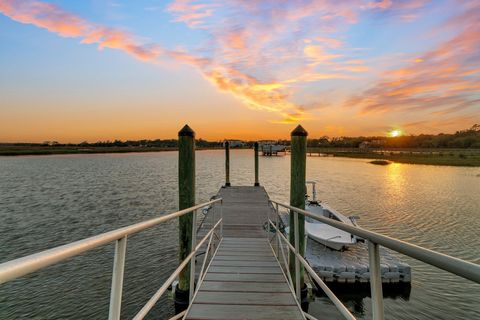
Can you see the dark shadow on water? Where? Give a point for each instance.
(353, 295)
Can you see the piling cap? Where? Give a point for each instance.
(299, 132)
(186, 131)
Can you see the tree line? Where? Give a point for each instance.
(468, 138)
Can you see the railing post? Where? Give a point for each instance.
(227, 163)
(192, 261)
(214, 208)
(278, 229)
(268, 225)
(297, 263)
(297, 199)
(221, 217)
(117, 279)
(375, 280)
(186, 191)
(255, 147)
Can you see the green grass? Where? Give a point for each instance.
(50, 150)
(381, 162)
(439, 157)
(10, 150)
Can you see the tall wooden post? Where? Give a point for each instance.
(255, 147)
(297, 199)
(227, 163)
(186, 191)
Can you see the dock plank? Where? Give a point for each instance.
(243, 263)
(245, 277)
(246, 298)
(237, 269)
(244, 258)
(243, 312)
(237, 286)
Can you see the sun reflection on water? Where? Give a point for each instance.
(395, 181)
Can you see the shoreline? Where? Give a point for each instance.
(437, 157)
(48, 151)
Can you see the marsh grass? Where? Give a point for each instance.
(454, 157)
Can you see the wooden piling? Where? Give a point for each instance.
(227, 164)
(186, 191)
(255, 147)
(297, 198)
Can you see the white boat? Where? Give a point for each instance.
(323, 233)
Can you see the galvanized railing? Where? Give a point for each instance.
(465, 269)
(19, 267)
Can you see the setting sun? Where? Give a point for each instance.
(395, 133)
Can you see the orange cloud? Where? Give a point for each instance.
(189, 13)
(352, 68)
(443, 79)
(318, 55)
(383, 4)
(257, 96)
(331, 42)
(65, 24)
(46, 16)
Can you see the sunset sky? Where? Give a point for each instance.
(101, 70)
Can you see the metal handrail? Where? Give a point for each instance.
(462, 268)
(465, 269)
(14, 269)
(153, 300)
(343, 310)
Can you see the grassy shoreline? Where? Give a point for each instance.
(438, 157)
(49, 150)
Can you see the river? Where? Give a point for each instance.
(46, 201)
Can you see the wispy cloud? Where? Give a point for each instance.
(441, 81)
(192, 13)
(65, 24)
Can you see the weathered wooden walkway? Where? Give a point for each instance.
(244, 280)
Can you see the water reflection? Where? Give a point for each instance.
(356, 297)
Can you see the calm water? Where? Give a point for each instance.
(48, 201)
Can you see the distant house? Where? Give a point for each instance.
(266, 142)
(371, 144)
(271, 147)
(51, 143)
(235, 143)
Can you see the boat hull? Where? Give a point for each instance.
(327, 235)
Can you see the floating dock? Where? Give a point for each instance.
(351, 266)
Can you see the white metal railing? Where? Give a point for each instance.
(465, 269)
(19, 267)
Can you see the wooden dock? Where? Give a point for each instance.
(244, 279)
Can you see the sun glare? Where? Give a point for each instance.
(395, 133)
